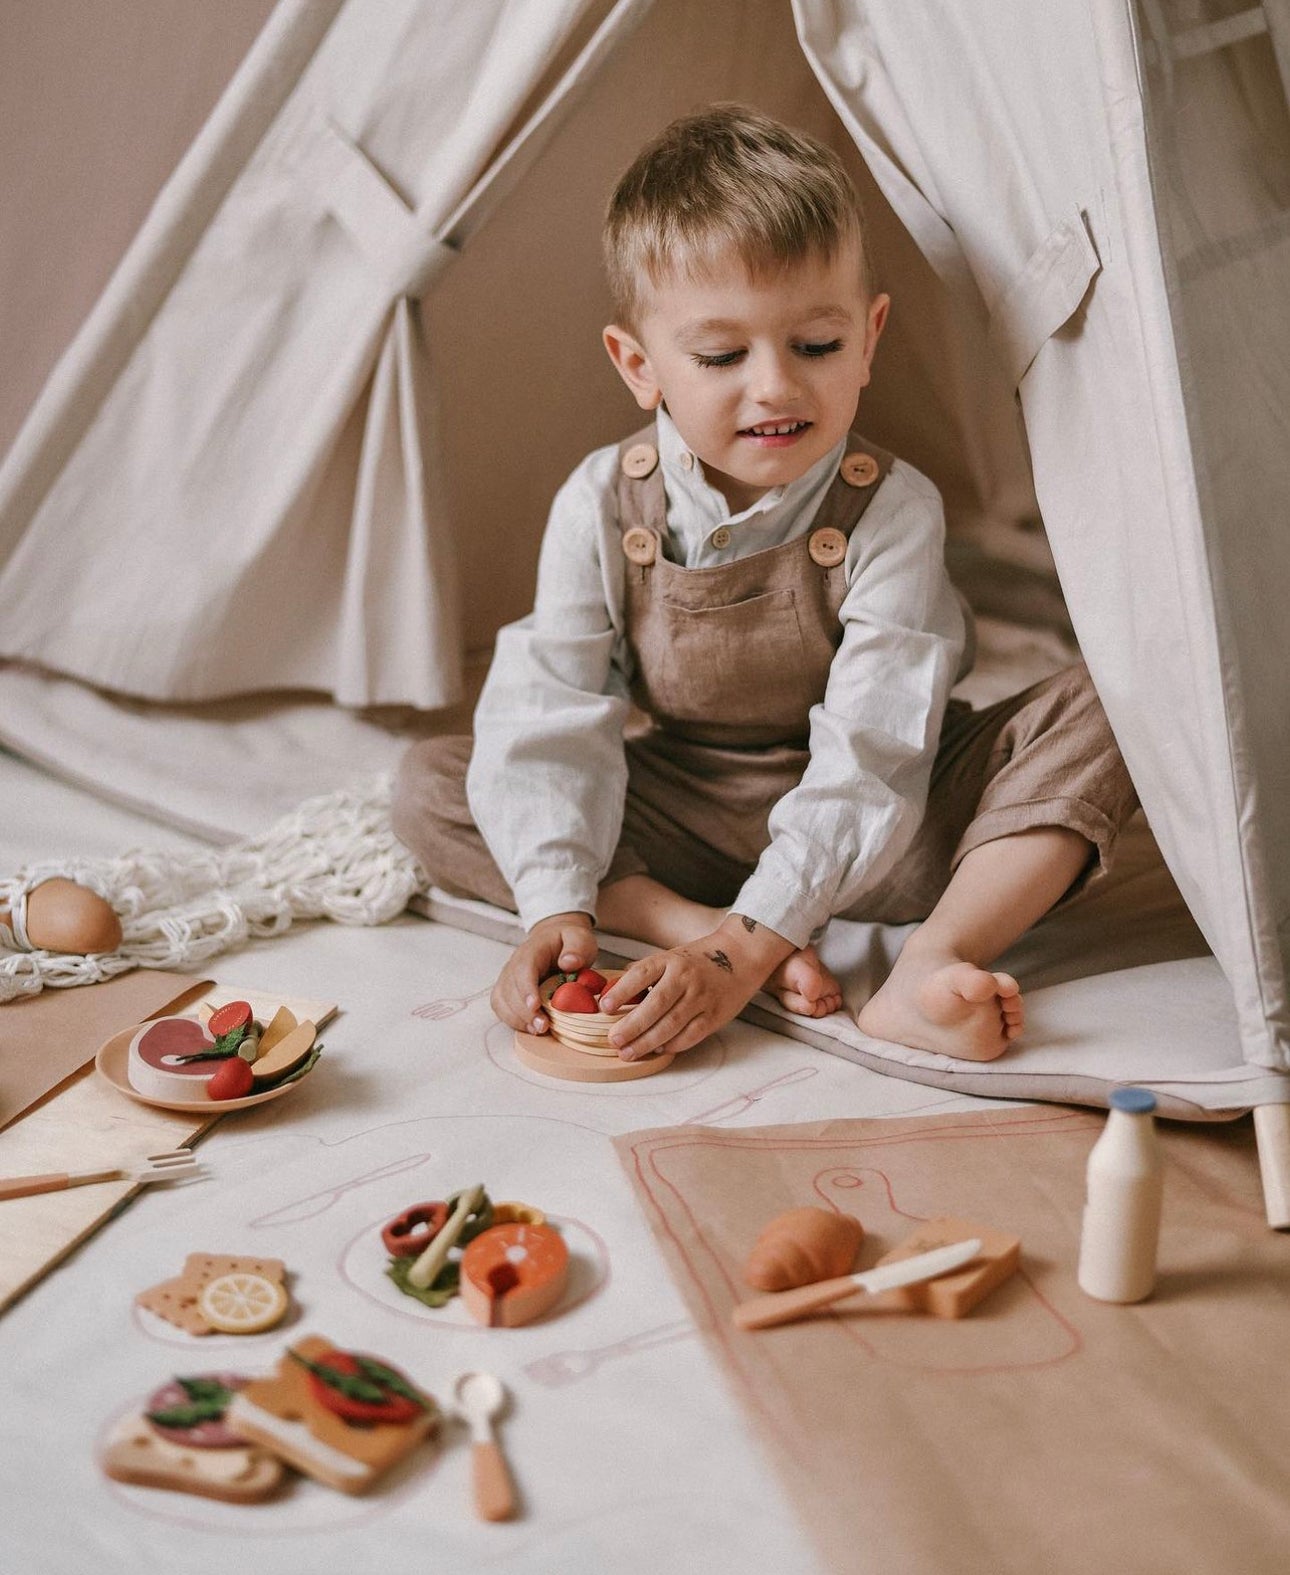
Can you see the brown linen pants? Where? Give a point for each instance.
(695, 817)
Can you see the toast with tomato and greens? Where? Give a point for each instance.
(341, 1417)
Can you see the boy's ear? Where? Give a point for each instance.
(633, 365)
(875, 322)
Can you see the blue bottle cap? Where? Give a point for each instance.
(1137, 1101)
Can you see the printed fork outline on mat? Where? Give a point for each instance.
(436, 1011)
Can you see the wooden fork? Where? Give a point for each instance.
(174, 1166)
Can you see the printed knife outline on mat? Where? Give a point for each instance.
(316, 1203)
(742, 1102)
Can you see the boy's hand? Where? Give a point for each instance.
(563, 941)
(695, 989)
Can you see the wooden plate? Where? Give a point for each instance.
(114, 1057)
(544, 1054)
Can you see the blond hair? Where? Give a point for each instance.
(726, 180)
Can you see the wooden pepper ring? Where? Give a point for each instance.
(414, 1229)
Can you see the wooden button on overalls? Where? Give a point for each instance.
(859, 470)
(827, 547)
(639, 460)
(640, 546)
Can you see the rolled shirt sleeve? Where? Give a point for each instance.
(873, 739)
(548, 774)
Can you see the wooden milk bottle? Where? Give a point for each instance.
(1117, 1251)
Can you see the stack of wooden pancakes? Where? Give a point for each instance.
(577, 1046)
(587, 1031)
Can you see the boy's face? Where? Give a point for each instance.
(760, 375)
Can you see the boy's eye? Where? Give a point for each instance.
(812, 351)
(728, 358)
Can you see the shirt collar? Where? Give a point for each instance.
(684, 473)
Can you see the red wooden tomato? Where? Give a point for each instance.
(233, 1080)
(574, 997)
(594, 981)
(391, 1407)
(237, 1014)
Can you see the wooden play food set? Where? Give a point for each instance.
(338, 1416)
(512, 1274)
(507, 1264)
(801, 1260)
(221, 1294)
(577, 1047)
(802, 1246)
(182, 1441)
(954, 1295)
(58, 915)
(229, 1060)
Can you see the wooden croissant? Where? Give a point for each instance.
(801, 1247)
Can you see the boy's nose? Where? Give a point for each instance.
(774, 380)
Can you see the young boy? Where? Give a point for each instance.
(771, 593)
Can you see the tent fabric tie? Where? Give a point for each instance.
(332, 857)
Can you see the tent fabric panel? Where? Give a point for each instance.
(1219, 128)
(209, 459)
(1038, 162)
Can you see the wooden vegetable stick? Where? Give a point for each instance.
(426, 1269)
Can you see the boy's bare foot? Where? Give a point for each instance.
(941, 1003)
(804, 985)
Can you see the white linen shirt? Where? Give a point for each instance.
(548, 775)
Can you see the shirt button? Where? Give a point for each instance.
(687, 460)
(720, 537)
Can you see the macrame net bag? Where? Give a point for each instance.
(333, 857)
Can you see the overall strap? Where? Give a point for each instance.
(642, 500)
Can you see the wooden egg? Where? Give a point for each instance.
(65, 917)
(802, 1246)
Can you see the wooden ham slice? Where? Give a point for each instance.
(512, 1274)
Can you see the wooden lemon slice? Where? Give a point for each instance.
(243, 1303)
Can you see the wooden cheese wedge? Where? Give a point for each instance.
(953, 1295)
(512, 1274)
(284, 1020)
(286, 1055)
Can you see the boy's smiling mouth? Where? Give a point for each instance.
(775, 434)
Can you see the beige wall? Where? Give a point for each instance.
(97, 104)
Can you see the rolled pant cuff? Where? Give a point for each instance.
(1070, 814)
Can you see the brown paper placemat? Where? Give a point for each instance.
(1045, 1433)
(45, 1038)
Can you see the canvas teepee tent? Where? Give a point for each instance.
(322, 401)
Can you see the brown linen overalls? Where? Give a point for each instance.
(728, 661)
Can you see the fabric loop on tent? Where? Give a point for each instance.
(372, 212)
(1043, 296)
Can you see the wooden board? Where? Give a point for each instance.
(88, 1124)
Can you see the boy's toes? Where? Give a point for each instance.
(970, 983)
